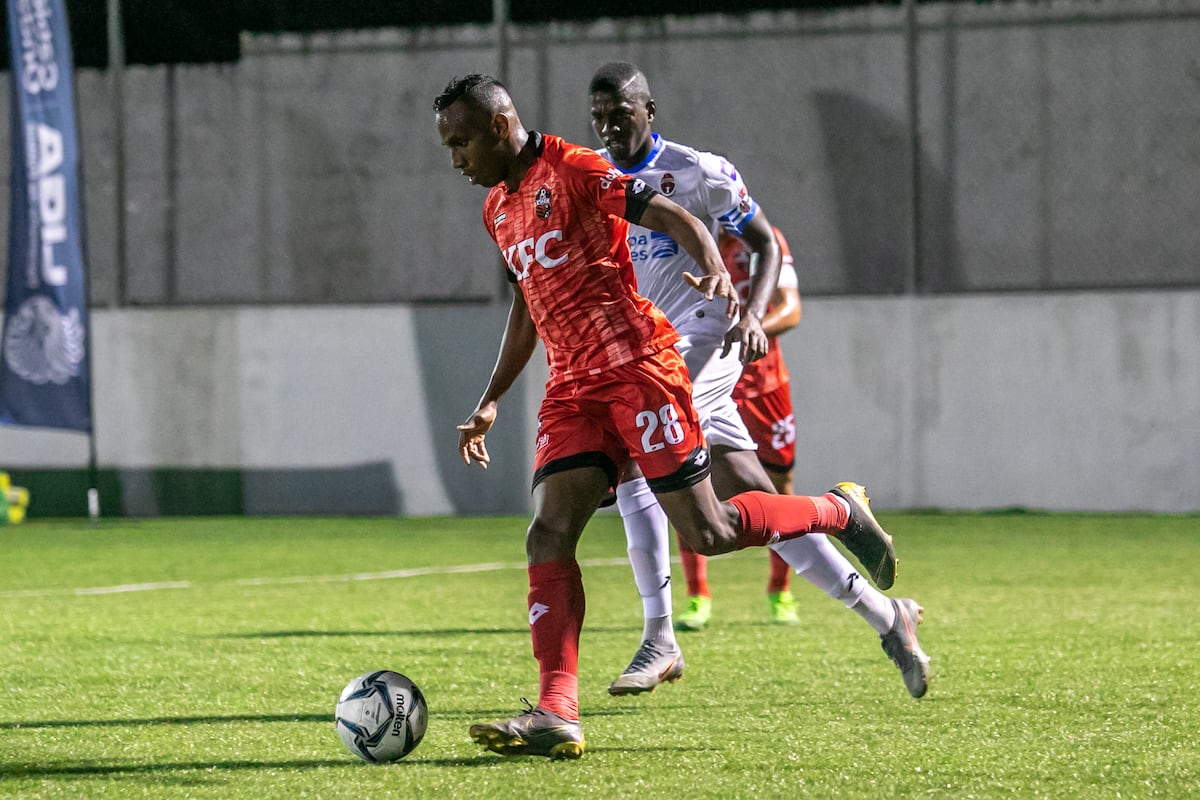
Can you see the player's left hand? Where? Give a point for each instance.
(719, 285)
(749, 333)
(472, 432)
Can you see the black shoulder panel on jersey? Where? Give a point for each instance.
(637, 197)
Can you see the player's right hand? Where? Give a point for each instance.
(719, 285)
(471, 433)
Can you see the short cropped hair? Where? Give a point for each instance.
(618, 77)
(480, 90)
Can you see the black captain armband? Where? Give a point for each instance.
(638, 195)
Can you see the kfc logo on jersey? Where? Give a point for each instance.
(524, 254)
(667, 184)
(541, 203)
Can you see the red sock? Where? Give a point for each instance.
(781, 574)
(556, 606)
(769, 518)
(695, 571)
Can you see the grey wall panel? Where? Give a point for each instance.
(1055, 149)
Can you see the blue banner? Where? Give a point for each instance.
(44, 369)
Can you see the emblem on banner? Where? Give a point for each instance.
(42, 345)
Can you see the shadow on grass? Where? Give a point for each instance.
(118, 723)
(477, 715)
(43, 770)
(85, 769)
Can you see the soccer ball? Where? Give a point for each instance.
(381, 716)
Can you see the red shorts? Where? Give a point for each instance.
(772, 426)
(640, 410)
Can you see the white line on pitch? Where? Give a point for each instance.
(415, 572)
(122, 589)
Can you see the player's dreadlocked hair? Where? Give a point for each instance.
(617, 77)
(482, 91)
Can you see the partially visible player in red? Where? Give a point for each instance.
(764, 399)
(618, 389)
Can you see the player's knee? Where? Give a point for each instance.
(705, 542)
(550, 540)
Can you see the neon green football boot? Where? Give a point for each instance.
(784, 610)
(697, 615)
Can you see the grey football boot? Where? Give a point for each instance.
(533, 732)
(900, 643)
(655, 662)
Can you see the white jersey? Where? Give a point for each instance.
(711, 189)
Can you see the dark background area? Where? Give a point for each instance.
(200, 31)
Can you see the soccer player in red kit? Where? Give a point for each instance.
(618, 389)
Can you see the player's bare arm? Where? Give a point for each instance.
(667, 217)
(785, 311)
(760, 238)
(520, 340)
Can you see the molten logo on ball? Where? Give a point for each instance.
(381, 716)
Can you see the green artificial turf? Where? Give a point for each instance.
(186, 658)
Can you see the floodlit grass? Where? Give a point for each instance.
(1064, 646)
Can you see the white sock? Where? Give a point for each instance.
(659, 628)
(647, 535)
(876, 608)
(820, 563)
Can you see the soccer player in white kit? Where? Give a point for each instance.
(711, 188)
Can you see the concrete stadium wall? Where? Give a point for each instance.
(1055, 146)
(1068, 401)
(270, 345)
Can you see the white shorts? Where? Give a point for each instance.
(713, 379)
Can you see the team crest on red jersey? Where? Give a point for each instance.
(541, 203)
(667, 184)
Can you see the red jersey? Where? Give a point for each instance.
(563, 234)
(769, 372)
